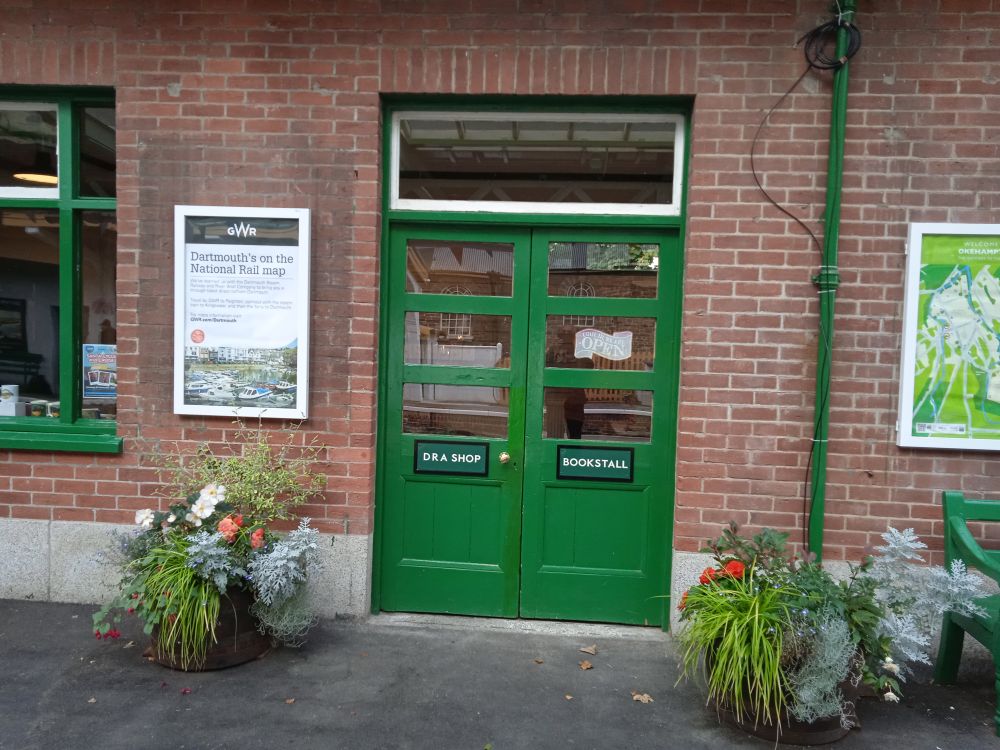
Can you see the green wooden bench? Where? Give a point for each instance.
(959, 544)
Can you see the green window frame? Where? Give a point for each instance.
(68, 431)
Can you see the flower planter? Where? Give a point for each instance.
(237, 638)
(792, 732)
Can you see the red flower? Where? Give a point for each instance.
(131, 610)
(684, 601)
(735, 568)
(257, 538)
(708, 575)
(97, 634)
(229, 529)
(238, 519)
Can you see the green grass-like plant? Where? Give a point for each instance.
(735, 627)
(172, 600)
(188, 604)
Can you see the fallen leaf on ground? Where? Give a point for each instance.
(592, 650)
(568, 697)
(539, 661)
(641, 697)
(586, 665)
(130, 644)
(92, 700)
(185, 691)
(289, 701)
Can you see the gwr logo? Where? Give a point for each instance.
(242, 230)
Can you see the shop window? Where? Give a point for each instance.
(58, 249)
(547, 162)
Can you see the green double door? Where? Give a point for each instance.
(528, 422)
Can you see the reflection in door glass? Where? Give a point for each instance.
(468, 410)
(603, 269)
(445, 267)
(599, 342)
(598, 414)
(459, 339)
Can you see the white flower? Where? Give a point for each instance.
(203, 508)
(890, 666)
(192, 518)
(890, 697)
(213, 493)
(144, 518)
(171, 518)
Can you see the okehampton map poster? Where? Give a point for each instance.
(241, 311)
(950, 385)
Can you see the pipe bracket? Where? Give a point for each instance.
(827, 279)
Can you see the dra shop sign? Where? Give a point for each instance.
(453, 458)
(241, 313)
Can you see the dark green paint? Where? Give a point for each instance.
(520, 541)
(828, 280)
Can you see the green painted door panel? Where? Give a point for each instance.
(458, 305)
(563, 348)
(597, 547)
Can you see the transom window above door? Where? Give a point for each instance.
(537, 162)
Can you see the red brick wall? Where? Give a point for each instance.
(277, 103)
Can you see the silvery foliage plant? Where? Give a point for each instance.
(212, 560)
(917, 596)
(278, 573)
(279, 582)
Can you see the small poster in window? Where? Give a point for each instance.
(100, 371)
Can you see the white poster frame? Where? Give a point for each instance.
(911, 307)
(299, 408)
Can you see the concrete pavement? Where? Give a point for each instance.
(409, 682)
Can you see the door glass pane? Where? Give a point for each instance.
(97, 151)
(446, 267)
(98, 322)
(597, 342)
(459, 339)
(598, 414)
(455, 410)
(603, 269)
(29, 309)
(28, 146)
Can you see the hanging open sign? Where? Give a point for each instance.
(615, 346)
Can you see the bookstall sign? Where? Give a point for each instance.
(949, 393)
(595, 464)
(241, 312)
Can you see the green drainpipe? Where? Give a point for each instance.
(828, 279)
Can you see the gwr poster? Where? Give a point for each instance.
(241, 316)
(950, 385)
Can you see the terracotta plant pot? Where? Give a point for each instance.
(237, 638)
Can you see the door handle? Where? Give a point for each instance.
(504, 457)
